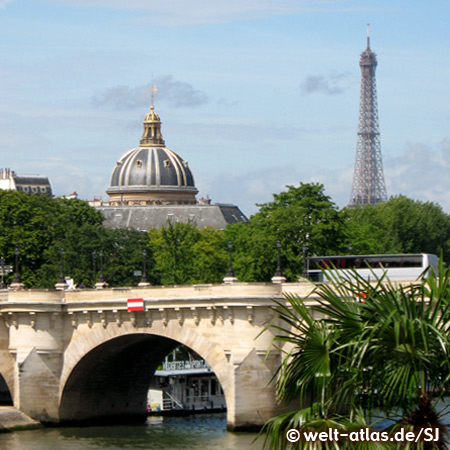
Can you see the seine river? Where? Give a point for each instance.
(203, 432)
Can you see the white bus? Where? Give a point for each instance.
(398, 267)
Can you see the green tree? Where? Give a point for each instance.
(40, 226)
(122, 255)
(400, 225)
(172, 248)
(24, 225)
(303, 219)
(252, 253)
(184, 254)
(210, 256)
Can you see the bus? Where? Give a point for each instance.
(397, 267)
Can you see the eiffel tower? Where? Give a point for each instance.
(368, 179)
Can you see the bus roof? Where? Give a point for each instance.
(386, 255)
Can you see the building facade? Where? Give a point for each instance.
(151, 185)
(28, 184)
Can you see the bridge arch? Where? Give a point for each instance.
(106, 373)
(6, 364)
(6, 396)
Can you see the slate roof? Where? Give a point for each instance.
(146, 217)
(33, 184)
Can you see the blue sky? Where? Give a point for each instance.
(254, 94)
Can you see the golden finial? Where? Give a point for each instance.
(153, 91)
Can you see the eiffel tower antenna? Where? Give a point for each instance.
(368, 179)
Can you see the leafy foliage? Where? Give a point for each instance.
(400, 225)
(303, 219)
(342, 357)
(184, 254)
(40, 226)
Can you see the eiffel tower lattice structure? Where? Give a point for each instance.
(368, 179)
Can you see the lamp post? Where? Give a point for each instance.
(100, 254)
(101, 283)
(62, 279)
(230, 272)
(305, 261)
(229, 277)
(61, 284)
(144, 282)
(16, 284)
(144, 268)
(16, 276)
(350, 248)
(2, 264)
(94, 260)
(278, 272)
(278, 277)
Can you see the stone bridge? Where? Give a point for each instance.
(80, 355)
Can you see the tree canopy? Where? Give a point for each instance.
(184, 254)
(303, 218)
(400, 225)
(40, 226)
(305, 221)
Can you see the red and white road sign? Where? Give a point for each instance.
(135, 304)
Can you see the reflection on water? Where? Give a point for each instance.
(203, 432)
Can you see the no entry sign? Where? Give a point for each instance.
(135, 304)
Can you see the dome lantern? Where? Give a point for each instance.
(152, 130)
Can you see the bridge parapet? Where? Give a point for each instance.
(33, 296)
(55, 339)
(188, 292)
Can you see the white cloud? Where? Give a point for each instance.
(421, 172)
(176, 93)
(332, 84)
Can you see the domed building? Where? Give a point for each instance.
(151, 184)
(151, 174)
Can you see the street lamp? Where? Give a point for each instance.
(350, 248)
(62, 279)
(144, 282)
(230, 272)
(229, 277)
(101, 279)
(2, 264)
(278, 277)
(305, 254)
(94, 260)
(278, 272)
(16, 276)
(144, 266)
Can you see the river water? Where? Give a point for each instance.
(205, 432)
